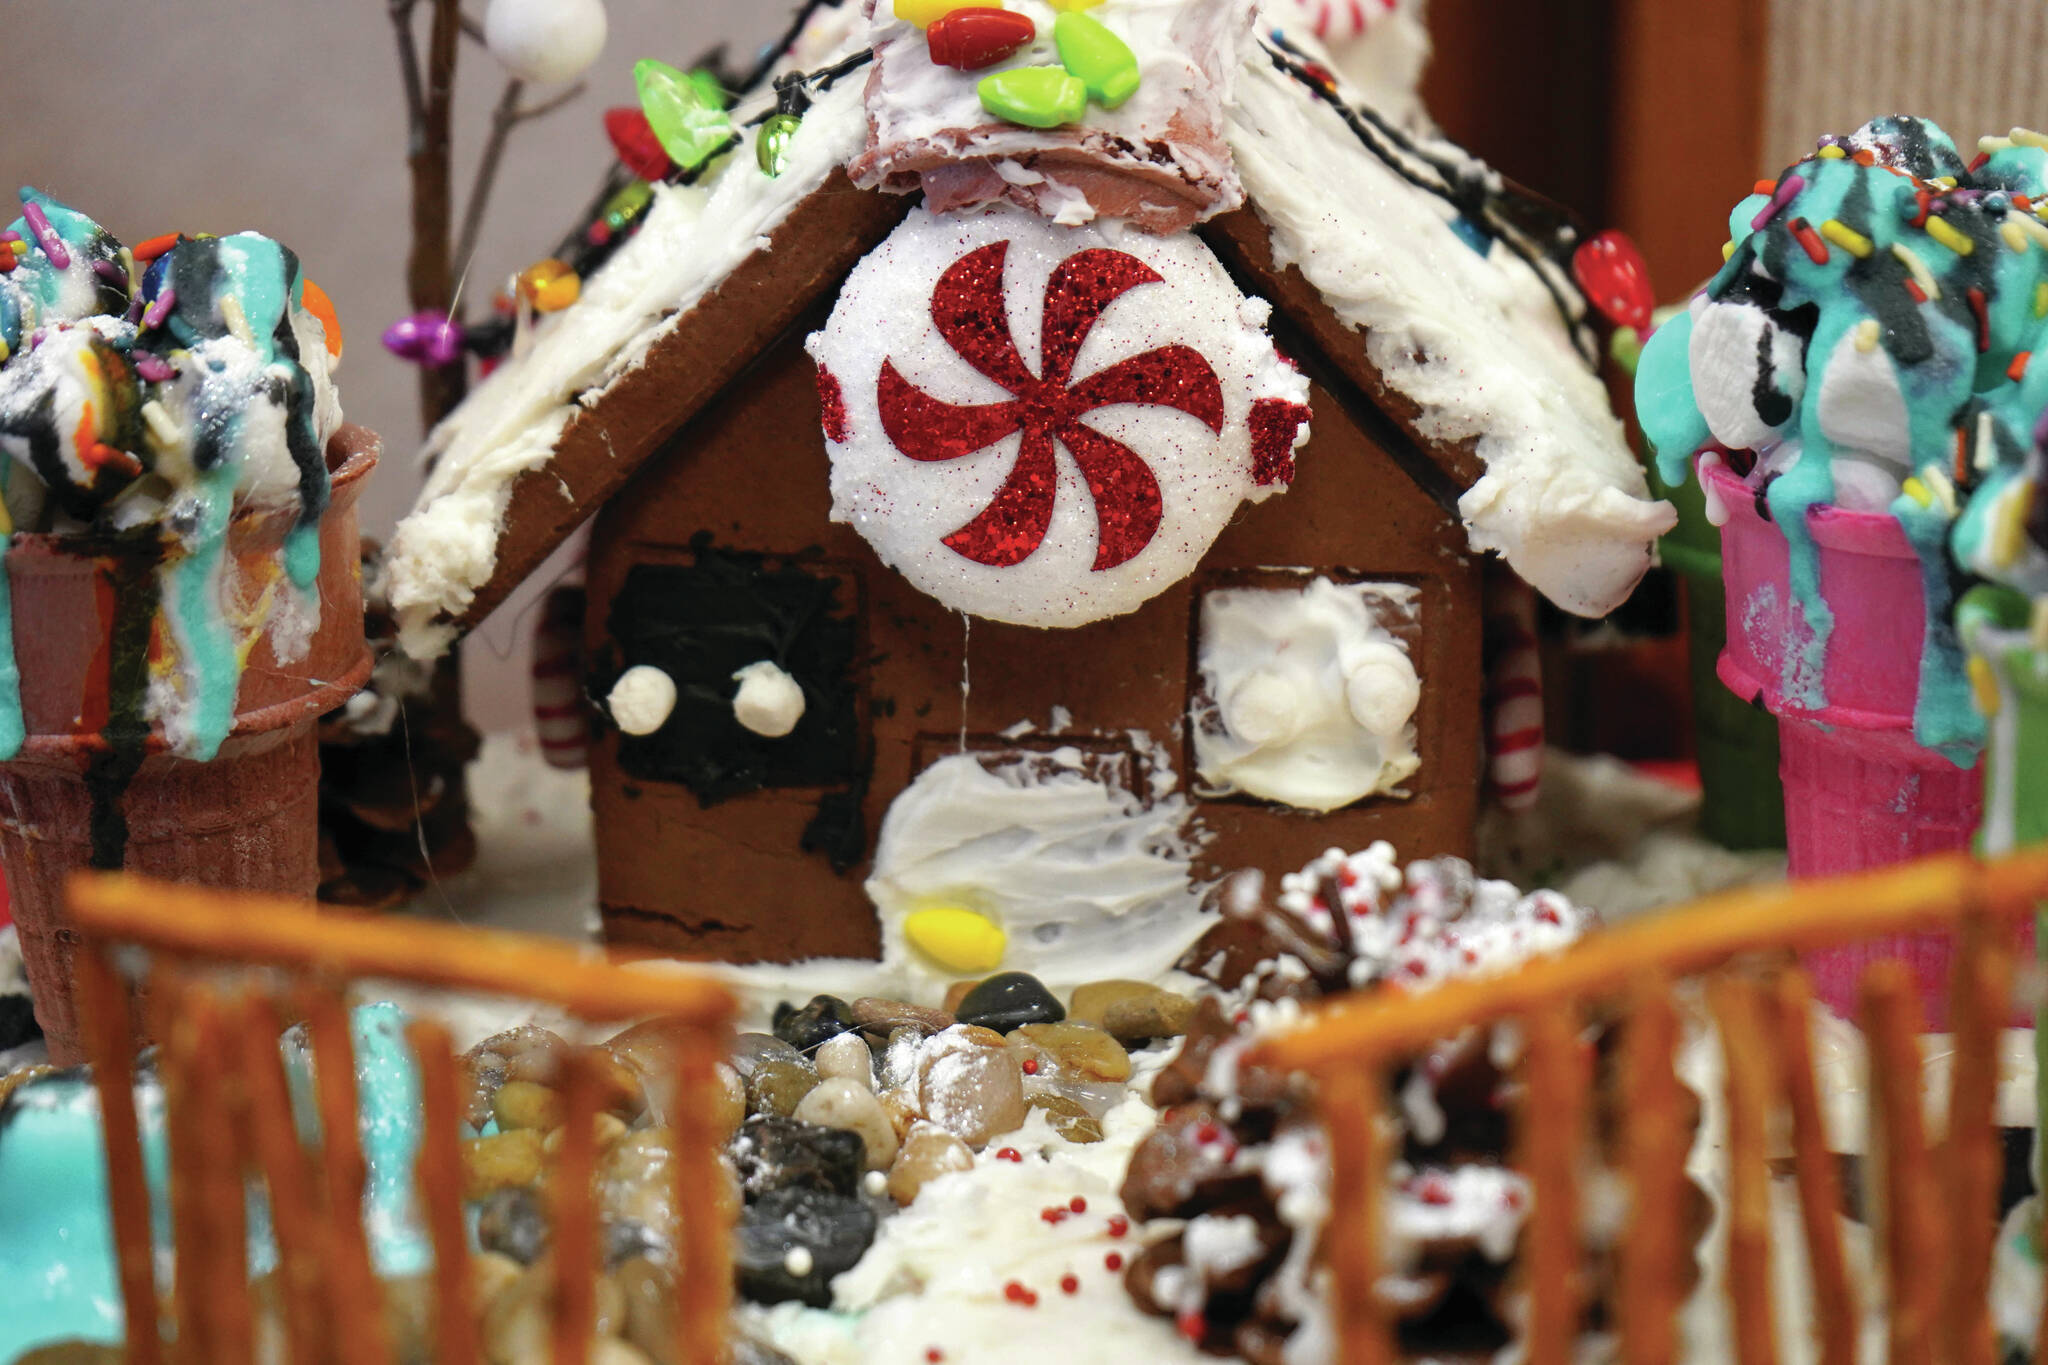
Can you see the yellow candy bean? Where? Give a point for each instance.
(924, 13)
(956, 938)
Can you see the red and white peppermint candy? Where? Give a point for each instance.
(1048, 425)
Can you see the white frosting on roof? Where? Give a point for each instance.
(1477, 342)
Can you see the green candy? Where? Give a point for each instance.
(1097, 57)
(771, 147)
(628, 204)
(1035, 96)
(685, 110)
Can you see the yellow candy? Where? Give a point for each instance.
(550, 285)
(1068, 6)
(1985, 684)
(956, 938)
(924, 13)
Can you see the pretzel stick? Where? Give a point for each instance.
(354, 1294)
(231, 1316)
(185, 1129)
(1654, 1251)
(106, 1020)
(1912, 1235)
(1360, 1154)
(703, 1241)
(438, 1175)
(576, 1214)
(1550, 1141)
(1745, 1060)
(294, 1216)
(1814, 1168)
(1979, 1001)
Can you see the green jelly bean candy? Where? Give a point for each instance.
(1102, 61)
(683, 111)
(771, 147)
(1035, 96)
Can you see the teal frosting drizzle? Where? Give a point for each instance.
(1882, 269)
(115, 379)
(56, 1234)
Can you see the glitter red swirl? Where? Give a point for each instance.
(969, 311)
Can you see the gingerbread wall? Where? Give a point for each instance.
(731, 880)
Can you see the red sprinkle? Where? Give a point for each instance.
(2019, 365)
(1077, 1204)
(1114, 1260)
(154, 247)
(1031, 1066)
(1191, 1325)
(1764, 187)
(1978, 161)
(1977, 306)
(1052, 1215)
(1016, 1293)
(1070, 1284)
(1913, 288)
(1009, 1154)
(1208, 1132)
(1803, 233)
(1119, 1226)
(934, 1354)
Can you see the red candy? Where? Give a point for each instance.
(1616, 279)
(635, 142)
(972, 38)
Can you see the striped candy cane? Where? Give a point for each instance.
(1338, 21)
(1514, 691)
(558, 715)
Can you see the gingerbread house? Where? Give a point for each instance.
(960, 549)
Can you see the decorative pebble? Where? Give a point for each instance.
(490, 1274)
(977, 36)
(958, 939)
(850, 1106)
(686, 113)
(500, 1161)
(846, 1057)
(1033, 96)
(776, 1088)
(902, 1107)
(749, 1050)
(1066, 1116)
(827, 1016)
(518, 1325)
(1095, 56)
(545, 41)
(928, 1152)
(971, 1084)
(609, 1128)
(641, 700)
(525, 1104)
(785, 1153)
(1010, 1000)
(769, 701)
(834, 1231)
(513, 1225)
(1078, 1050)
(874, 1014)
(636, 1179)
(1131, 1011)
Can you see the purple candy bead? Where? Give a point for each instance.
(425, 339)
(152, 368)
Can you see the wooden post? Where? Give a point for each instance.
(106, 1021)
(576, 1260)
(1351, 1099)
(438, 1176)
(294, 1214)
(703, 1239)
(1911, 1234)
(356, 1298)
(1972, 1164)
(1553, 1131)
(1813, 1167)
(1655, 1252)
(1745, 1051)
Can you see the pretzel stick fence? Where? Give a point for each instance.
(223, 972)
(1936, 1204)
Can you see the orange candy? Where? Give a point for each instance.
(315, 301)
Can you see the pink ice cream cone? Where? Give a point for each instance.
(1859, 791)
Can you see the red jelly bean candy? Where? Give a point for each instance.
(1616, 279)
(978, 36)
(634, 141)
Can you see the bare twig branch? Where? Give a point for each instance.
(473, 30)
(549, 105)
(409, 70)
(503, 118)
(429, 274)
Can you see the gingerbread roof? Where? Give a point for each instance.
(1415, 287)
